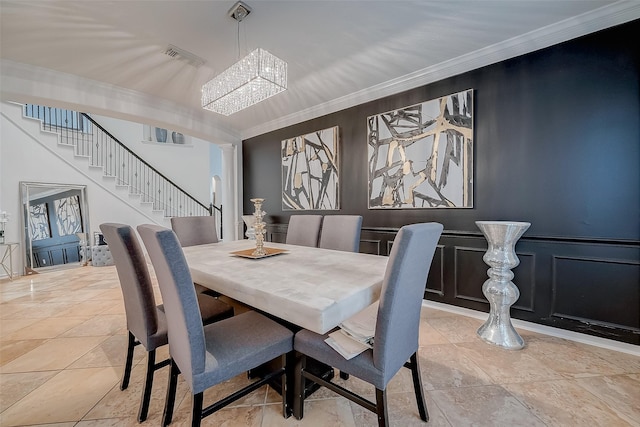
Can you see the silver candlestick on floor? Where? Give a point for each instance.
(499, 289)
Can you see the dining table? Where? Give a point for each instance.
(312, 288)
(304, 287)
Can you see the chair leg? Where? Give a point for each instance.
(128, 363)
(298, 391)
(288, 384)
(344, 375)
(381, 408)
(417, 385)
(171, 394)
(148, 384)
(196, 413)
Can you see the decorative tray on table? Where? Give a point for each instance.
(248, 253)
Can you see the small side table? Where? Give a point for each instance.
(7, 255)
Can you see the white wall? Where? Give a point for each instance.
(23, 158)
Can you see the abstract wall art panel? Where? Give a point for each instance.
(422, 156)
(68, 217)
(310, 174)
(39, 222)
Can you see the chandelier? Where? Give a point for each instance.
(254, 78)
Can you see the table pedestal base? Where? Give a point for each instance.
(318, 369)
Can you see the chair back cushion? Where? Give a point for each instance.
(137, 289)
(195, 230)
(184, 321)
(396, 336)
(341, 232)
(303, 230)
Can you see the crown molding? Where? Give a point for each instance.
(568, 29)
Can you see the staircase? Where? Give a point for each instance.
(111, 159)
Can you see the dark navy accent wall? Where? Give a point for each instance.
(557, 144)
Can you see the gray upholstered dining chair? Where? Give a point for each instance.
(396, 333)
(341, 232)
(146, 321)
(303, 230)
(209, 355)
(195, 230)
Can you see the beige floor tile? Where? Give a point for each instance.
(317, 413)
(226, 388)
(110, 422)
(506, 366)
(102, 324)
(621, 393)
(9, 310)
(110, 352)
(456, 329)
(72, 424)
(125, 403)
(9, 326)
(10, 350)
(400, 383)
(114, 294)
(430, 335)
(16, 386)
(40, 310)
(80, 295)
(627, 363)
(64, 398)
(57, 353)
(564, 403)
(46, 296)
(489, 406)
(88, 308)
(568, 358)
(46, 328)
(249, 416)
(403, 412)
(443, 366)
(6, 297)
(116, 308)
(432, 313)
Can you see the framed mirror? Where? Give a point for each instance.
(55, 223)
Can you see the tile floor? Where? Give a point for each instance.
(62, 347)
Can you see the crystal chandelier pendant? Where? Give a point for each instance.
(254, 78)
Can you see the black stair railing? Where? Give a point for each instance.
(91, 140)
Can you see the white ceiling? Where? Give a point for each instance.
(340, 53)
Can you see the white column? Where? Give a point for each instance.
(229, 198)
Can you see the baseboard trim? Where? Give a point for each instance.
(543, 329)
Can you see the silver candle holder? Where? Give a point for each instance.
(259, 228)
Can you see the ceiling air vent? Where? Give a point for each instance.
(183, 55)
